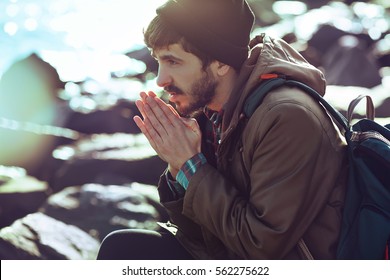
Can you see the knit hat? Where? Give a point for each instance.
(219, 28)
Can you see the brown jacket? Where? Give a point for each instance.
(280, 177)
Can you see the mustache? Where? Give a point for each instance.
(173, 88)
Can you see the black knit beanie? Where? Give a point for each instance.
(219, 28)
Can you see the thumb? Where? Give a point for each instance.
(192, 124)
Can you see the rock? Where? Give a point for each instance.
(38, 236)
(121, 158)
(99, 209)
(28, 98)
(20, 196)
(116, 119)
(144, 55)
(83, 171)
(348, 62)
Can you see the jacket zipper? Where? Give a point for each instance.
(361, 136)
(304, 250)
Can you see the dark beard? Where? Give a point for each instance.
(202, 93)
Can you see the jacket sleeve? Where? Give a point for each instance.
(289, 185)
(174, 208)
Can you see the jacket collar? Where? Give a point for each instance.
(268, 55)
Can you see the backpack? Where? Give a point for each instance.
(365, 229)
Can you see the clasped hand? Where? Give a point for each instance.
(175, 139)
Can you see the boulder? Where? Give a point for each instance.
(106, 159)
(28, 105)
(349, 63)
(38, 236)
(108, 171)
(20, 196)
(116, 119)
(99, 209)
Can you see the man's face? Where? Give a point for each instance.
(181, 75)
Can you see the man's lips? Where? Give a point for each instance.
(174, 93)
(172, 96)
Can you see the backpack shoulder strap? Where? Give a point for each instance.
(257, 96)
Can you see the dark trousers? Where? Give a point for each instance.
(137, 244)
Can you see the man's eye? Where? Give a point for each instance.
(172, 62)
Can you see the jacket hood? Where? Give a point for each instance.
(269, 55)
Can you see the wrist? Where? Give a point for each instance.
(189, 169)
(173, 171)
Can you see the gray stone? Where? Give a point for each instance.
(20, 196)
(38, 236)
(106, 159)
(99, 209)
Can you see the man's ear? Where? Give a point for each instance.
(222, 68)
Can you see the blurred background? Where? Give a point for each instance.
(73, 165)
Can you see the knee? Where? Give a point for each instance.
(110, 244)
(118, 244)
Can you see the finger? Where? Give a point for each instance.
(152, 94)
(191, 123)
(156, 119)
(138, 121)
(143, 95)
(159, 107)
(141, 103)
(152, 99)
(141, 107)
(172, 115)
(143, 127)
(161, 103)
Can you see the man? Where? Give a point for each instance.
(267, 187)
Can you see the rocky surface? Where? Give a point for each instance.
(105, 159)
(20, 196)
(38, 236)
(95, 185)
(99, 209)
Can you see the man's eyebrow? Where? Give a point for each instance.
(168, 57)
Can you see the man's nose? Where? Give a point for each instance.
(163, 77)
